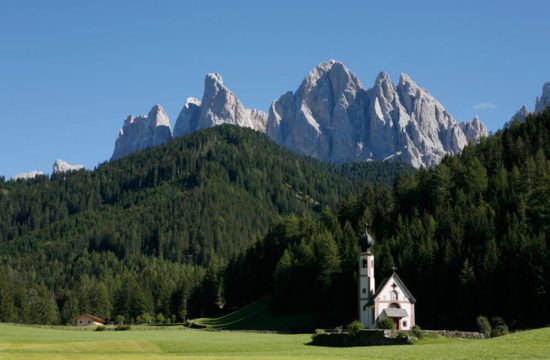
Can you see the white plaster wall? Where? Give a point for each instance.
(384, 300)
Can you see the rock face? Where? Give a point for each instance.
(544, 100)
(473, 130)
(142, 132)
(29, 175)
(61, 166)
(521, 114)
(188, 118)
(218, 106)
(333, 118)
(541, 104)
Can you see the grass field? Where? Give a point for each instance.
(17, 342)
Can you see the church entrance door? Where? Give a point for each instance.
(396, 323)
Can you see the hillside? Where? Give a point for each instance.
(148, 224)
(469, 237)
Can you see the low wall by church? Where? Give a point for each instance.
(364, 338)
(456, 334)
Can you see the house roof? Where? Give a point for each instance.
(94, 318)
(399, 282)
(395, 312)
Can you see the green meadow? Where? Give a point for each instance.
(19, 342)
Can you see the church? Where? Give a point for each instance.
(391, 299)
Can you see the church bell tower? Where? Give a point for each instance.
(366, 283)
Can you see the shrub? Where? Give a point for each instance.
(385, 323)
(499, 327)
(354, 328)
(320, 331)
(122, 327)
(120, 319)
(484, 326)
(500, 330)
(417, 332)
(100, 328)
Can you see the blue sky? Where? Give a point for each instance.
(70, 71)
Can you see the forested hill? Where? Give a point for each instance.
(144, 223)
(469, 237)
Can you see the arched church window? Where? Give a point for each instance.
(394, 295)
(394, 306)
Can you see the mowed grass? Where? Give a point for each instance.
(17, 342)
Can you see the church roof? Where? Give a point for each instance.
(399, 282)
(396, 313)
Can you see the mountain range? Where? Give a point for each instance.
(331, 117)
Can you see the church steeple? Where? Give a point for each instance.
(366, 280)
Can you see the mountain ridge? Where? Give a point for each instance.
(332, 117)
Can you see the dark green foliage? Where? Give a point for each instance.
(499, 327)
(385, 323)
(122, 328)
(484, 326)
(468, 236)
(354, 328)
(417, 331)
(151, 233)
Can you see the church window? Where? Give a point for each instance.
(364, 291)
(404, 324)
(364, 263)
(394, 295)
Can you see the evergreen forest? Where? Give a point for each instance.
(217, 219)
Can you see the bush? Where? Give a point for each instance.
(122, 327)
(500, 330)
(320, 331)
(499, 327)
(484, 326)
(417, 332)
(100, 328)
(385, 323)
(354, 328)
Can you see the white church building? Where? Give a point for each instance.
(391, 299)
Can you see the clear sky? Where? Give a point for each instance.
(70, 71)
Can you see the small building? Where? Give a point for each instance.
(88, 319)
(391, 299)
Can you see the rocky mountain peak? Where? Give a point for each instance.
(474, 130)
(29, 175)
(331, 117)
(329, 78)
(60, 166)
(188, 118)
(544, 100)
(383, 87)
(521, 114)
(541, 103)
(218, 106)
(142, 132)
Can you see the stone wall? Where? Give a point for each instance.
(456, 334)
(364, 338)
